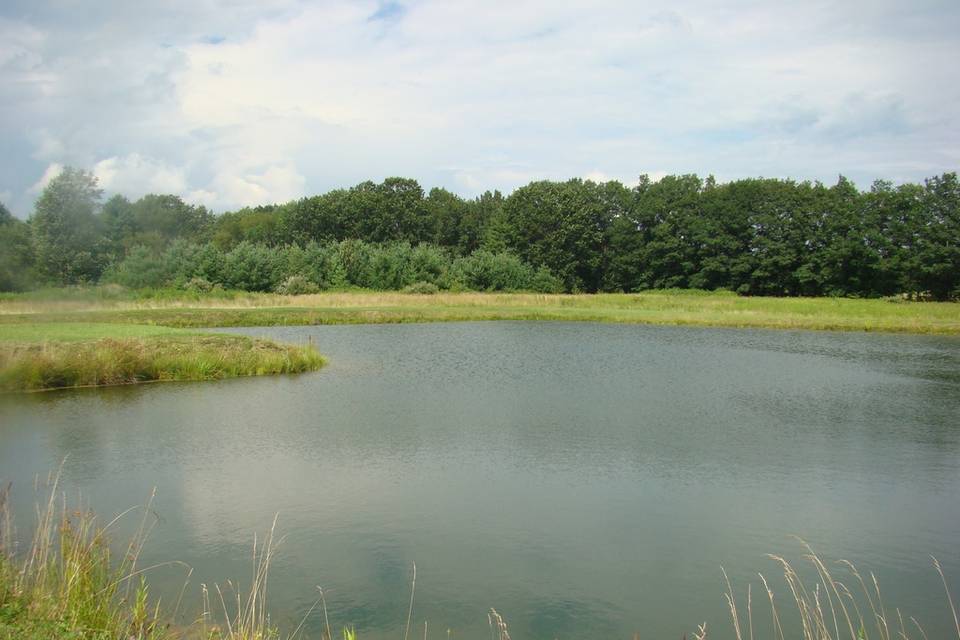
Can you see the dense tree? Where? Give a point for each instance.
(936, 260)
(68, 240)
(753, 236)
(16, 253)
(258, 224)
(561, 225)
(5, 216)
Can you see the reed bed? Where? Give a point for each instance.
(57, 364)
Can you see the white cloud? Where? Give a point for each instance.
(274, 100)
(134, 175)
(277, 183)
(52, 171)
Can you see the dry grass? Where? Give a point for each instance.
(848, 607)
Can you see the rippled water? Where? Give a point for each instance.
(586, 480)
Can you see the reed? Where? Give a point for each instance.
(56, 364)
(839, 604)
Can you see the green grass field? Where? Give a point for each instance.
(86, 337)
(80, 331)
(696, 308)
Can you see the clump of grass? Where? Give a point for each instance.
(30, 366)
(68, 584)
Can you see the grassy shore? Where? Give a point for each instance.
(716, 309)
(49, 355)
(101, 335)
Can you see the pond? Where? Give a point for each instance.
(585, 480)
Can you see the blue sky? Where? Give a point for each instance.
(248, 102)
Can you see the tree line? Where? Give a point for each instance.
(752, 236)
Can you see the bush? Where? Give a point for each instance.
(252, 267)
(294, 269)
(140, 269)
(485, 271)
(198, 284)
(296, 286)
(544, 281)
(422, 288)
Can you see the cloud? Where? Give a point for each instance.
(271, 100)
(277, 183)
(135, 175)
(51, 172)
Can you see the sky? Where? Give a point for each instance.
(242, 102)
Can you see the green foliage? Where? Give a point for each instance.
(16, 253)
(296, 286)
(68, 240)
(252, 267)
(753, 236)
(141, 268)
(422, 288)
(485, 271)
(199, 285)
(562, 225)
(5, 216)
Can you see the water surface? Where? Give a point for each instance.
(586, 480)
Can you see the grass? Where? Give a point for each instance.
(673, 307)
(67, 585)
(40, 356)
(104, 335)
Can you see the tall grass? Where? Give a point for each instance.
(30, 366)
(68, 584)
(831, 606)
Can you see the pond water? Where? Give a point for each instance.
(585, 480)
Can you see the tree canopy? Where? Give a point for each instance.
(753, 236)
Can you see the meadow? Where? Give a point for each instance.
(171, 308)
(76, 337)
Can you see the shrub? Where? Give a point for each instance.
(543, 281)
(252, 267)
(296, 286)
(355, 258)
(485, 271)
(198, 284)
(422, 288)
(140, 269)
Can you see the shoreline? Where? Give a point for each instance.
(677, 308)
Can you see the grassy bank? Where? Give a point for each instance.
(66, 584)
(48, 355)
(695, 308)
